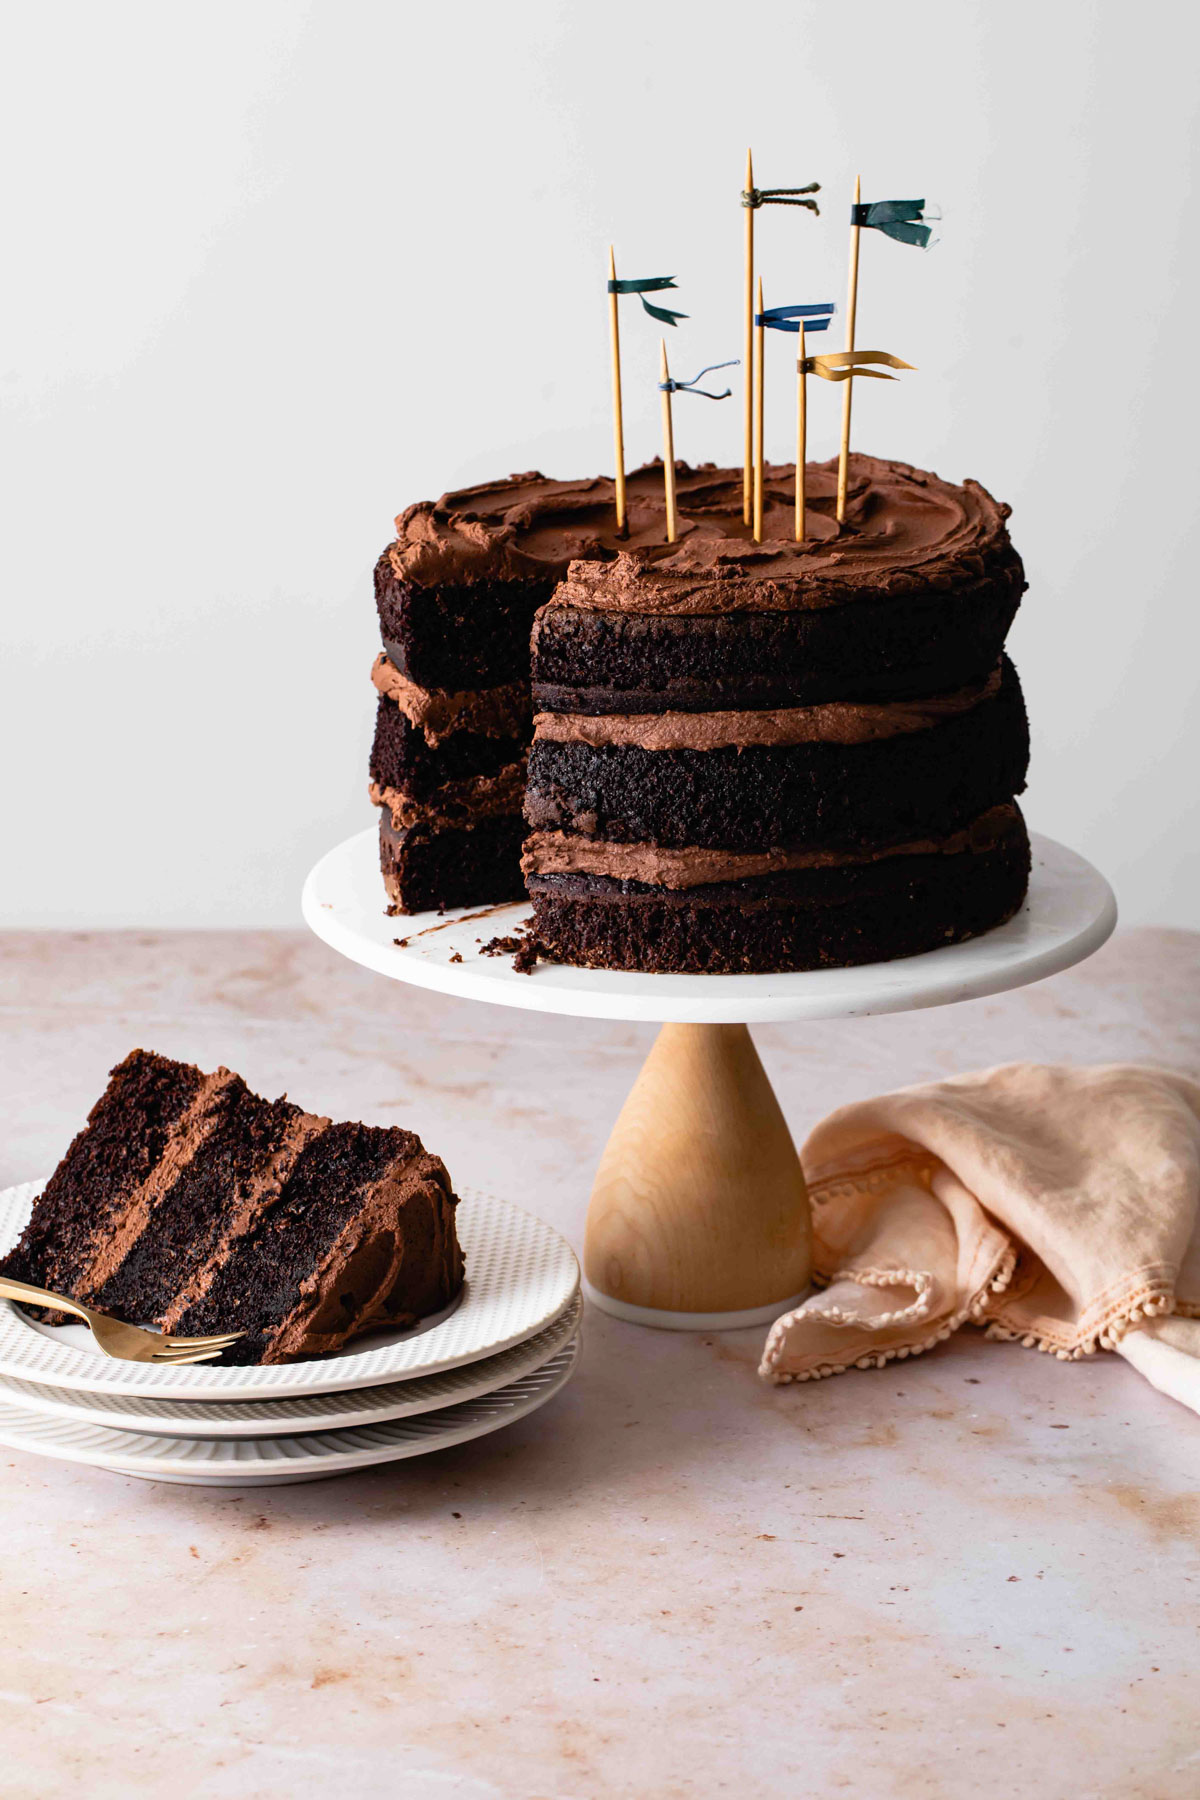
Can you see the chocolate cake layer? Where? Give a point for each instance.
(187, 1191)
(875, 649)
(881, 790)
(426, 867)
(403, 758)
(830, 916)
(458, 637)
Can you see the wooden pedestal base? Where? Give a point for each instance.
(699, 1217)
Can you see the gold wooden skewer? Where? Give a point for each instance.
(668, 443)
(848, 385)
(759, 348)
(614, 335)
(801, 435)
(748, 355)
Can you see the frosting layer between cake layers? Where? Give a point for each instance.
(715, 785)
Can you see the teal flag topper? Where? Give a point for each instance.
(903, 220)
(651, 284)
(689, 387)
(756, 197)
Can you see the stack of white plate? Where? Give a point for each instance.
(503, 1349)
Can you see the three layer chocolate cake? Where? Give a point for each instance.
(190, 1203)
(755, 757)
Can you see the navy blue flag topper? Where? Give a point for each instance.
(651, 284)
(787, 318)
(903, 220)
(689, 387)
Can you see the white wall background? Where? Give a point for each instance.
(274, 270)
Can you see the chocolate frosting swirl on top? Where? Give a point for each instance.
(905, 529)
(528, 526)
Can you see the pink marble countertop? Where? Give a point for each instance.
(967, 1574)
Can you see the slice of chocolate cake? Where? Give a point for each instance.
(456, 595)
(187, 1199)
(752, 757)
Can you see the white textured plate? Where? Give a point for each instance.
(521, 1274)
(1069, 912)
(275, 1461)
(303, 1412)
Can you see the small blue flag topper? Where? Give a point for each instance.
(651, 284)
(903, 220)
(689, 387)
(787, 318)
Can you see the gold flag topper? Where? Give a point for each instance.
(841, 365)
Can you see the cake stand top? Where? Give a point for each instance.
(1069, 913)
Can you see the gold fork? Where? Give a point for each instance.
(128, 1343)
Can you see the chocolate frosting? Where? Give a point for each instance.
(526, 526)
(560, 853)
(456, 803)
(834, 722)
(364, 1281)
(905, 529)
(437, 712)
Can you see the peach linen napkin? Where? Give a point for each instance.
(1058, 1206)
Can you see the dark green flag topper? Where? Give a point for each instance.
(651, 284)
(903, 220)
(756, 197)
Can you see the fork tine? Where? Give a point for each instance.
(184, 1356)
(217, 1342)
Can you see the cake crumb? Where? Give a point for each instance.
(400, 943)
(525, 961)
(455, 956)
(501, 946)
(522, 946)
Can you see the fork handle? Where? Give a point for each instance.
(21, 1290)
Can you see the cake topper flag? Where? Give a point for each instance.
(666, 388)
(796, 318)
(801, 428)
(650, 284)
(903, 220)
(752, 199)
(801, 319)
(814, 317)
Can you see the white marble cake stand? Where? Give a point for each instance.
(699, 1219)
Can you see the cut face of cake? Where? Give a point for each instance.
(756, 757)
(187, 1199)
(456, 595)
